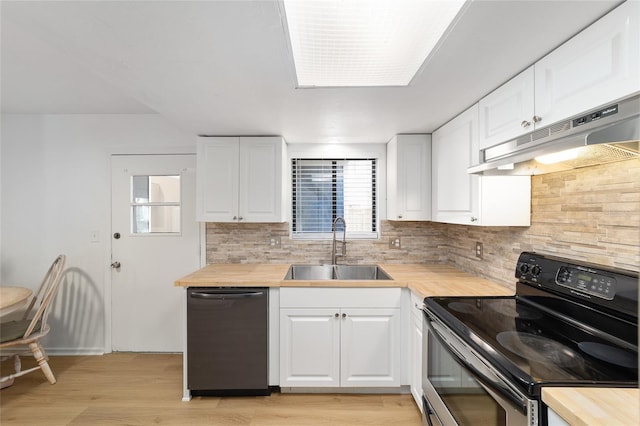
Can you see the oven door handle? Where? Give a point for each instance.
(488, 378)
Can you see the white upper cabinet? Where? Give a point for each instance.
(240, 179)
(453, 149)
(599, 65)
(508, 112)
(462, 198)
(409, 177)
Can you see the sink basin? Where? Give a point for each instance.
(310, 272)
(336, 272)
(360, 272)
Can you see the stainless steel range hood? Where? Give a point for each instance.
(601, 135)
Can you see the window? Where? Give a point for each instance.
(155, 204)
(324, 189)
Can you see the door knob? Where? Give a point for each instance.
(115, 265)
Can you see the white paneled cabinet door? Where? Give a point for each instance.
(599, 65)
(455, 148)
(416, 359)
(241, 179)
(261, 179)
(409, 177)
(310, 347)
(217, 179)
(507, 112)
(462, 198)
(370, 347)
(415, 346)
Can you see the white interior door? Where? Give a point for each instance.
(154, 241)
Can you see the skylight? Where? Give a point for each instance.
(364, 42)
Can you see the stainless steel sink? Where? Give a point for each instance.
(336, 272)
(360, 272)
(310, 272)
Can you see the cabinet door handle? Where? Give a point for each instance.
(537, 119)
(344, 315)
(525, 123)
(337, 315)
(235, 217)
(240, 218)
(399, 216)
(474, 219)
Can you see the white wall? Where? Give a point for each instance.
(55, 190)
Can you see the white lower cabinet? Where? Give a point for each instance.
(416, 350)
(339, 345)
(309, 347)
(554, 419)
(370, 347)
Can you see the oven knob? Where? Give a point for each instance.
(524, 268)
(536, 270)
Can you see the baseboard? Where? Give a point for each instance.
(345, 390)
(74, 351)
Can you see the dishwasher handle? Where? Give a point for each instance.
(225, 296)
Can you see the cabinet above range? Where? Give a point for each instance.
(598, 66)
(241, 179)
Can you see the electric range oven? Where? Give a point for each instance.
(485, 359)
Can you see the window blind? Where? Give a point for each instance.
(323, 189)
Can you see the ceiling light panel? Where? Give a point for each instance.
(364, 42)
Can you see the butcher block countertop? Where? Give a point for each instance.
(594, 406)
(424, 279)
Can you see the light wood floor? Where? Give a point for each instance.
(142, 389)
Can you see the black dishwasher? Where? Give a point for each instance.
(227, 341)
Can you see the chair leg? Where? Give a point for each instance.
(17, 364)
(41, 358)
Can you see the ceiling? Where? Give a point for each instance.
(224, 67)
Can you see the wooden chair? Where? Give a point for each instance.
(32, 327)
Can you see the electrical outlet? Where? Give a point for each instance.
(394, 243)
(274, 242)
(479, 250)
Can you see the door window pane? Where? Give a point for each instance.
(155, 204)
(156, 189)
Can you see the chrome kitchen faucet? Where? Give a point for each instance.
(344, 239)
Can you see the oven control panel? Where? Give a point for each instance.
(586, 281)
(606, 286)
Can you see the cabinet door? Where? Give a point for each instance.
(455, 148)
(409, 177)
(370, 348)
(597, 66)
(507, 112)
(416, 357)
(217, 179)
(554, 419)
(309, 347)
(261, 179)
